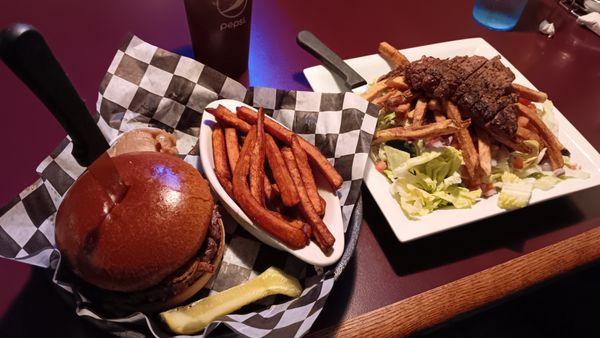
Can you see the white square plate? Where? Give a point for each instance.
(372, 66)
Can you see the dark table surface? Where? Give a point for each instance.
(85, 35)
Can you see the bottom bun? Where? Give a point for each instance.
(173, 290)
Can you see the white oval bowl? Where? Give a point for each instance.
(310, 254)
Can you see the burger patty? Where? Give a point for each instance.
(174, 284)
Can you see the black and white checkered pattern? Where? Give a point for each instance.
(148, 86)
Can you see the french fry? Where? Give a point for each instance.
(419, 113)
(522, 121)
(397, 82)
(233, 147)
(529, 93)
(465, 142)
(374, 90)
(283, 134)
(553, 145)
(321, 234)
(398, 99)
(402, 109)
(257, 162)
(229, 119)
(434, 104)
(307, 175)
(438, 116)
(270, 221)
(503, 139)
(392, 55)
(381, 99)
(285, 185)
(445, 127)
(528, 134)
(485, 153)
(220, 159)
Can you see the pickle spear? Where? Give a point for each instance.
(194, 317)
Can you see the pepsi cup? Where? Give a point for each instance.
(220, 32)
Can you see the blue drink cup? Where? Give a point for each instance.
(501, 15)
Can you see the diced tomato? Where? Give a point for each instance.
(517, 163)
(524, 102)
(487, 187)
(380, 166)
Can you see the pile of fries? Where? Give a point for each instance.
(420, 118)
(280, 197)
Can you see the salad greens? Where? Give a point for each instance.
(426, 182)
(425, 178)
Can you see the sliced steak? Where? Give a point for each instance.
(458, 70)
(425, 74)
(480, 87)
(505, 121)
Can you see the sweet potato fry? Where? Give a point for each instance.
(268, 190)
(257, 162)
(270, 221)
(233, 147)
(307, 176)
(445, 127)
(321, 234)
(275, 187)
(392, 55)
(220, 159)
(227, 118)
(465, 142)
(529, 93)
(283, 134)
(397, 82)
(323, 205)
(552, 143)
(485, 153)
(375, 90)
(419, 113)
(285, 185)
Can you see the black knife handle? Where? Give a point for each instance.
(309, 42)
(25, 52)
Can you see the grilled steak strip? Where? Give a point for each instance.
(480, 87)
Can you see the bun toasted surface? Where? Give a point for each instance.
(158, 226)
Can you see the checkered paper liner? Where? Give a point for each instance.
(146, 86)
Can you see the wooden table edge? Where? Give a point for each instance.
(437, 305)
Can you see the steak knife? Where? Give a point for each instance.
(309, 42)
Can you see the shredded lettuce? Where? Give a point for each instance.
(429, 181)
(517, 184)
(425, 176)
(515, 195)
(547, 115)
(386, 120)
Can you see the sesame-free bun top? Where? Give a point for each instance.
(155, 229)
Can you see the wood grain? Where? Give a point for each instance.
(442, 303)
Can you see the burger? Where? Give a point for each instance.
(154, 248)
